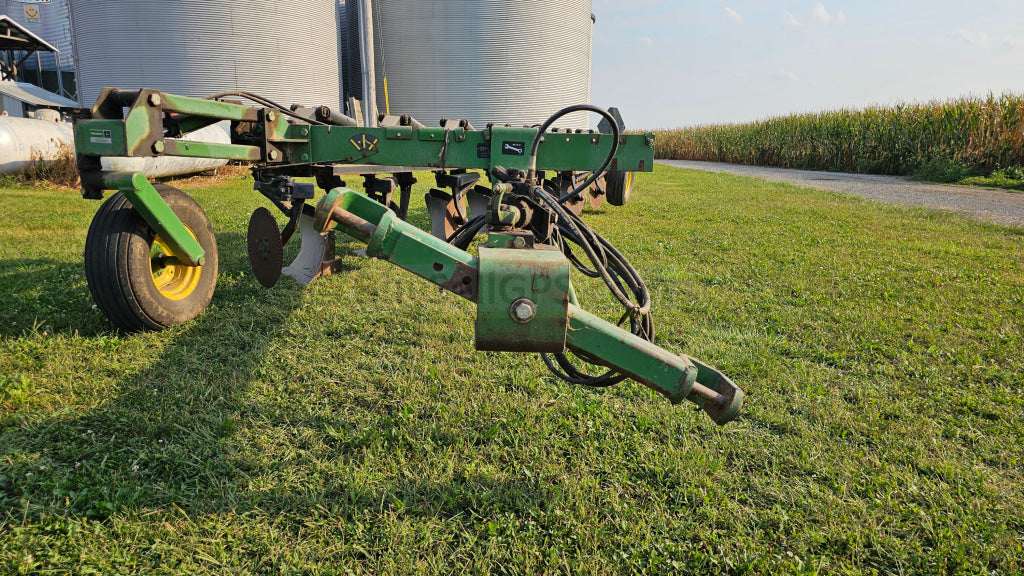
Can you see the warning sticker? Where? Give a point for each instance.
(100, 136)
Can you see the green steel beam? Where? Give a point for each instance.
(210, 108)
(191, 149)
(676, 377)
(140, 134)
(187, 123)
(432, 148)
(390, 238)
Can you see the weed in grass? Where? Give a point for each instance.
(1011, 178)
(944, 172)
(61, 170)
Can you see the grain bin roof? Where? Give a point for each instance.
(14, 37)
(34, 95)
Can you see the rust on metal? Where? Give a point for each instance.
(464, 281)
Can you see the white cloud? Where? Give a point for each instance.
(822, 16)
(790, 20)
(1013, 41)
(786, 75)
(645, 41)
(979, 39)
(733, 15)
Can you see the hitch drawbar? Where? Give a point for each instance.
(522, 300)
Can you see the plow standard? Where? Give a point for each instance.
(151, 255)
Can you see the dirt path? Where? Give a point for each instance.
(985, 204)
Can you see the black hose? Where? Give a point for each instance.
(619, 276)
(604, 165)
(265, 102)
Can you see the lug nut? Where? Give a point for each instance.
(523, 310)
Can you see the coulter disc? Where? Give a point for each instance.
(266, 251)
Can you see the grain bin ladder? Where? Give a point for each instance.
(151, 256)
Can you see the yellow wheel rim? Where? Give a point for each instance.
(175, 280)
(629, 182)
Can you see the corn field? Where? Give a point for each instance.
(981, 134)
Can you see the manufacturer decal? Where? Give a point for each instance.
(483, 150)
(365, 142)
(100, 137)
(513, 148)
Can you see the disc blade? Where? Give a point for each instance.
(266, 251)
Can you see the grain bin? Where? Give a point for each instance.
(503, 61)
(285, 50)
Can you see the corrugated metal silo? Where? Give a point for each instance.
(503, 61)
(353, 60)
(285, 50)
(343, 50)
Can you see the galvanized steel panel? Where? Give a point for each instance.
(502, 61)
(285, 50)
(353, 60)
(343, 68)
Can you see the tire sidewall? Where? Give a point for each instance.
(154, 305)
(618, 186)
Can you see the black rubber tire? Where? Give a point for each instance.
(119, 265)
(617, 186)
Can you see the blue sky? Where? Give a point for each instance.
(673, 63)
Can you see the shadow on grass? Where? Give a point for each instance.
(160, 438)
(163, 435)
(46, 295)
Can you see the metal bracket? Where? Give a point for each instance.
(151, 206)
(523, 300)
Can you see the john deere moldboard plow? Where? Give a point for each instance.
(151, 255)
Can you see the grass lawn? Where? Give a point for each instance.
(350, 427)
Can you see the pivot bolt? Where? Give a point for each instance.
(155, 100)
(523, 310)
(158, 146)
(272, 155)
(519, 242)
(271, 116)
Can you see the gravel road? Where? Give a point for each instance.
(985, 204)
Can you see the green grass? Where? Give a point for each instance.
(1007, 179)
(349, 427)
